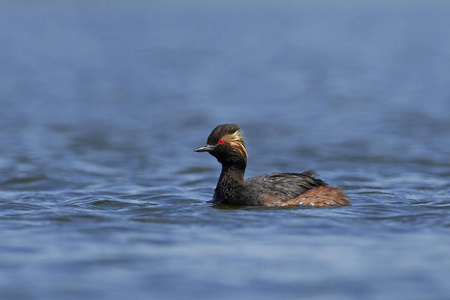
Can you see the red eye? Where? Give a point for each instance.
(221, 141)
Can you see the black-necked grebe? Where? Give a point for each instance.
(276, 189)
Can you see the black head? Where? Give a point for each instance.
(226, 144)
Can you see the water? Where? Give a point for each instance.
(101, 105)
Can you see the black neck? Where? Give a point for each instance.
(231, 182)
(232, 174)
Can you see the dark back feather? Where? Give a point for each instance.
(283, 185)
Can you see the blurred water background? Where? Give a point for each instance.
(102, 103)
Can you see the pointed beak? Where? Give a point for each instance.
(205, 148)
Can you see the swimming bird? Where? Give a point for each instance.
(227, 145)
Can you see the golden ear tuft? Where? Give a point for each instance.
(236, 140)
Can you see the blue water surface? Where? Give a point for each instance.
(102, 103)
